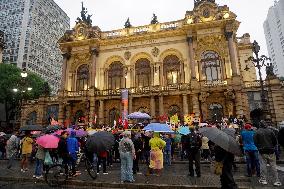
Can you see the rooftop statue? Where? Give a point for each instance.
(198, 2)
(84, 17)
(127, 23)
(154, 19)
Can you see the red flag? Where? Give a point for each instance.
(125, 125)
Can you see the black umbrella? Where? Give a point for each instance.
(100, 141)
(31, 128)
(281, 137)
(51, 128)
(222, 139)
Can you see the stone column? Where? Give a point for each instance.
(93, 72)
(184, 104)
(239, 104)
(191, 57)
(232, 51)
(64, 78)
(106, 79)
(161, 105)
(153, 108)
(162, 83)
(130, 104)
(195, 106)
(92, 110)
(61, 113)
(101, 112)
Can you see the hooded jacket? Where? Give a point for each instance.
(72, 143)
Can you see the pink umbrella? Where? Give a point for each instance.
(58, 132)
(48, 141)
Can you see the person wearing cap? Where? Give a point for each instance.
(250, 150)
(127, 154)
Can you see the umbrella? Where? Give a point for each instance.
(51, 128)
(184, 130)
(100, 141)
(138, 115)
(31, 128)
(158, 127)
(81, 133)
(48, 141)
(91, 132)
(221, 139)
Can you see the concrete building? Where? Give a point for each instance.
(192, 65)
(274, 34)
(1, 45)
(32, 29)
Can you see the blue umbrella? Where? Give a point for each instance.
(184, 130)
(138, 115)
(158, 127)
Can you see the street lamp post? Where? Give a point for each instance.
(259, 62)
(21, 89)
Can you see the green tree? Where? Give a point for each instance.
(10, 78)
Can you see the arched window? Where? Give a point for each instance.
(216, 112)
(116, 78)
(142, 72)
(83, 78)
(171, 69)
(211, 66)
(32, 117)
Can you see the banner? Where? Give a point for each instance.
(124, 101)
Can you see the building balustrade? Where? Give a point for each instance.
(214, 83)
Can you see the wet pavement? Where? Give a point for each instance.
(174, 176)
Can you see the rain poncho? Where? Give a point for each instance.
(156, 154)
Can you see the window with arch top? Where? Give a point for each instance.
(171, 69)
(83, 78)
(116, 78)
(142, 72)
(211, 66)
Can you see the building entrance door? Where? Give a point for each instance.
(216, 112)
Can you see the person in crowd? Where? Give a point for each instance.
(2, 147)
(156, 154)
(173, 147)
(127, 154)
(102, 159)
(73, 147)
(266, 141)
(138, 146)
(167, 150)
(27, 147)
(227, 159)
(12, 149)
(250, 150)
(193, 145)
(183, 153)
(40, 155)
(146, 148)
(63, 150)
(205, 148)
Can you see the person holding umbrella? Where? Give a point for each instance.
(73, 147)
(127, 154)
(27, 147)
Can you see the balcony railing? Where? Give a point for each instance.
(214, 83)
(76, 93)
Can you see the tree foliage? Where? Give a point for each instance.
(10, 78)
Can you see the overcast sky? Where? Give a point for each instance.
(112, 14)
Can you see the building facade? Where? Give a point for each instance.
(274, 34)
(32, 30)
(1, 45)
(193, 65)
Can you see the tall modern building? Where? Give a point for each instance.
(274, 33)
(32, 29)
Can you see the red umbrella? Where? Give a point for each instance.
(48, 141)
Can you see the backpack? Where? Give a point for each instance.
(194, 141)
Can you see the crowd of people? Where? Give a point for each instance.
(260, 148)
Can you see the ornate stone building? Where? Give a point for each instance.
(193, 65)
